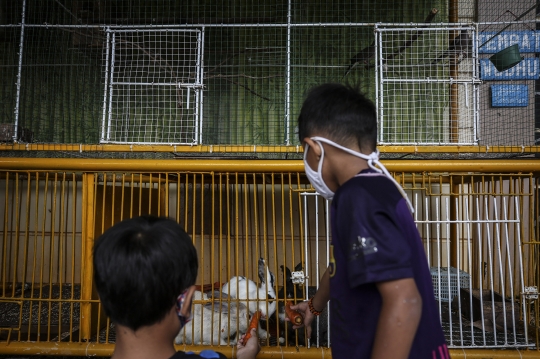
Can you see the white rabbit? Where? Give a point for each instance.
(262, 297)
(214, 323)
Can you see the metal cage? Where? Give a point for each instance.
(481, 222)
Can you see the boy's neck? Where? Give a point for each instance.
(351, 170)
(147, 342)
(346, 166)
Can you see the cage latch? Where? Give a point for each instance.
(298, 277)
(531, 292)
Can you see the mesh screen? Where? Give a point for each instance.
(212, 72)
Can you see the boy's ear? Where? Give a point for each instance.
(313, 146)
(186, 308)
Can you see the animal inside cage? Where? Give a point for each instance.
(447, 281)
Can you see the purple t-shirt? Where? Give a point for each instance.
(375, 239)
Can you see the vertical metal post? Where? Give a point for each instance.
(379, 89)
(317, 255)
(448, 225)
(454, 93)
(480, 265)
(476, 87)
(497, 242)
(521, 276)
(377, 78)
(428, 237)
(288, 78)
(108, 31)
(18, 94)
(328, 229)
(87, 265)
(201, 80)
(306, 243)
(109, 123)
(454, 231)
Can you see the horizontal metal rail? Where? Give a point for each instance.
(97, 349)
(278, 25)
(226, 165)
(208, 149)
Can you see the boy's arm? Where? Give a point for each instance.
(320, 299)
(399, 318)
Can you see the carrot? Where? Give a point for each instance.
(295, 317)
(253, 324)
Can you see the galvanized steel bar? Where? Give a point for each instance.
(19, 71)
(288, 76)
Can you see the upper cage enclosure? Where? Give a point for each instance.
(204, 77)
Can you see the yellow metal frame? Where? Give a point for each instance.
(258, 166)
(209, 149)
(95, 349)
(92, 169)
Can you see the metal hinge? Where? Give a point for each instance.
(531, 292)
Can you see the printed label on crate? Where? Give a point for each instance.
(528, 41)
(527, 69)
(509, 95)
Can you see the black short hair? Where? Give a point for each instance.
(141, 265)
(342, 113)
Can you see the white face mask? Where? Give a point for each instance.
(316, 179)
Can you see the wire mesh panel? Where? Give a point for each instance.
(433, 80)
(154, 83)
(428, 85)
(474, 229)
(507, 97)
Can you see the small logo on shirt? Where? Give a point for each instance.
(362, 246)
(369, 245)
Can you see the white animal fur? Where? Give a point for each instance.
(214, 326)
(262, 297)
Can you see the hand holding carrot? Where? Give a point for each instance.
(303, 309)
(294, 317)
(253, 324)
(248, 348)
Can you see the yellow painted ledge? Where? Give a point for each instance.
(96, 349)
(253, 149)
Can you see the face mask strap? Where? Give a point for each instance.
(179, 304)
(372, 161)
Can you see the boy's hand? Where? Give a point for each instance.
(303, 309)
(250, 349)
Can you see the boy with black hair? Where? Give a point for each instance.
(378, 280)
(145, 270)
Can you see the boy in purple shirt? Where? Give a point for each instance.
(379, 283)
